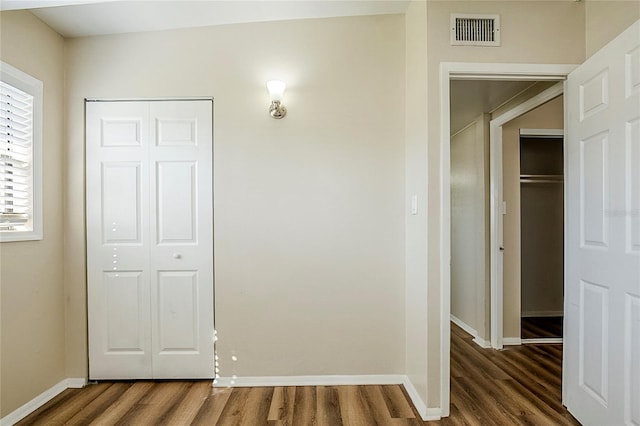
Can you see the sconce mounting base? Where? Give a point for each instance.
(277, 110)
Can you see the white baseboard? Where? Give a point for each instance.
(37, 402)
(485, 344)
(511, 341)
(528, 314)
(463, 325)
(272, 381)
(421, 407)
(432, 414)
(76, 383)
(474, 333)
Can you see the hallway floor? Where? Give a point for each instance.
(520, 385)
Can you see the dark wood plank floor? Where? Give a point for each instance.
(541, 327)
(520, 385)
(197, 403)
(517, 386)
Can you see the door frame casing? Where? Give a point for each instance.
(468, 71)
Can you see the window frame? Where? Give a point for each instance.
(33, 87)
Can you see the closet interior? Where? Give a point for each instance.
(542, 234)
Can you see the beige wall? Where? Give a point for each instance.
(605, 19)
(469, 225)
(547, 116)
(31, 277)
(309, 210)
(289, 235)
(417, 314)
(528, 31)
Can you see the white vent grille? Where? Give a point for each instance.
(475, 30)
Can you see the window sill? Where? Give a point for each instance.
(16, 236)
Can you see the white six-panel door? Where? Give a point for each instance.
(602, 302)
(150, 239)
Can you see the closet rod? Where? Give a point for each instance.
(528, 180)
(557, 177)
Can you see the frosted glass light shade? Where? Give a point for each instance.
(276, 89)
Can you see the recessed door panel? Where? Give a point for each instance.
(125, 312)
(593, 191)
(632, 360)
(632, 73)
(593, 344)
(177, 132)
(178, 311)
(632, 154)
(120, 132)
(121, 221)
(594, 95)
(177, 207)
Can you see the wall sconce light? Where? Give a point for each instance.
(276, 90)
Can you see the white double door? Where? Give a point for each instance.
(149, 213)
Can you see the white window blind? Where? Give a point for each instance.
(16, 158)
(20, 155)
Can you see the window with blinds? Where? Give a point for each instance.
(20, 140)
(16, 155)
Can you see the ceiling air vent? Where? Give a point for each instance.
(475, 30)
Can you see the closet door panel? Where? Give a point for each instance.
(118, 241)
(181, 154)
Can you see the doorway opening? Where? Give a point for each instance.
(475, 104)
(527, 143)
(467, 71)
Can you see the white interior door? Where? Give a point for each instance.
(602, 300)
(150, 239)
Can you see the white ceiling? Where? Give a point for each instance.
(78, 18)
(470, 98)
